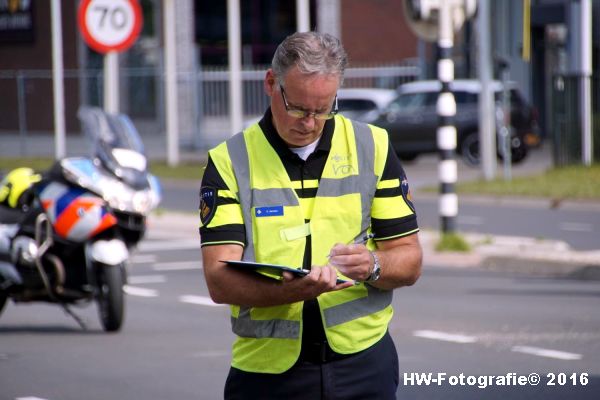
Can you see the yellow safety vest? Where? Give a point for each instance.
(269, 338)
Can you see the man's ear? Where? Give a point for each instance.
(270, 82)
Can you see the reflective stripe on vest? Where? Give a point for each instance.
(245, 326)
(364, 183)
(376, 300)
(236, 146)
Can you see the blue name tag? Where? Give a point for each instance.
(271, 211)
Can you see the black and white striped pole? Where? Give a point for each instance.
(436, 20)
(446, 131)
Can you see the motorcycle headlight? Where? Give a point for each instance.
(141, 202)
(114, 194)
(129, 200)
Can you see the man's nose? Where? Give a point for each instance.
(309, 120)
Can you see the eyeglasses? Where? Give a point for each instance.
(297, 113)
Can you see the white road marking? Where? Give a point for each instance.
(537, 351)
(470, 220)
(154, 234)
(444, 336)
(200, 300)
(143, 259)
(211, 353)
(138, 291)
(162, 245)
(142, 279)
(29, 398)
(575, 227)
(177, 265)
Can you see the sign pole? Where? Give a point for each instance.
(587, 139)
(234, 42)
(487, 125)
(171, 83)
(111, 82)
(302, 15)
(57, 81)
(109, 27)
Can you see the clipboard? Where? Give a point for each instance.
(274, 271)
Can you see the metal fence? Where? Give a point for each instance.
(26, 103)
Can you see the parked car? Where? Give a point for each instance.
(411, 118)
(364, 104)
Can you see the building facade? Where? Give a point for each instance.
(374, 33)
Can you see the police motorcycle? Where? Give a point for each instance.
(65, 234)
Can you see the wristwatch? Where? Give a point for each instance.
(376, 273)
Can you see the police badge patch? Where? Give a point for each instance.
(208, 204)
(406, 194)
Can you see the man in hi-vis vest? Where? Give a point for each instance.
(309, 189)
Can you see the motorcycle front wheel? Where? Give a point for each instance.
(110, 298)
(3, 299)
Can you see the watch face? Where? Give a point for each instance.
(376, 273)
(376, 268)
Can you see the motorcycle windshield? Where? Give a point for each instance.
(117, 144)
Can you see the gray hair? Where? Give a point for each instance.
(313, 53)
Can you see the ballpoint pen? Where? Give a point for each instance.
(363, 240)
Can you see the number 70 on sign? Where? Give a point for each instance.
(109, 25)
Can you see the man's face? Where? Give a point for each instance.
(315, 94)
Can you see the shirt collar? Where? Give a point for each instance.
(266, 124)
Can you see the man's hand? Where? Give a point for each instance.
(352, 260)
(400, 260)
(319, 280)
(228, 285)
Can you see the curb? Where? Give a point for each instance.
(515, 254)
(537, 202)
(542, 269)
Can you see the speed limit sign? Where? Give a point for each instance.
(109, 25)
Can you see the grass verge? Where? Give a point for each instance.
(188, 170)
(572, 182)
(191, 170)
(452, 242)
(37, 163)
